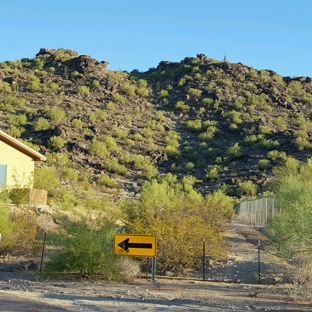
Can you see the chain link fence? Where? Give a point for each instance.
(257, 212)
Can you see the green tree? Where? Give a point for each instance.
(290, 230)
(179, 217)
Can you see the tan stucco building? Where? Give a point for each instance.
(17, 163)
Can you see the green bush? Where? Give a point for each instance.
(58, 159)
(117, 98)
(46, 178)
(97, 115)
(98, 148)
(247, 188)
(69, 174)
(163, 93)
(264, 164)
(96, 84)
(18, 120)
(142, 92)
(15, 132)
(113, 165)
(233, 152)
(86, 249)
(213, 172)
(179, 217)
(57, 114)
(181, 106)
(111, 106)
(196, 93)
(83, 90)
(105, 180)
(56, 142)
(41, 124)
(78, 123)
(194, 125)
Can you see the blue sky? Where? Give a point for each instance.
(138, 34)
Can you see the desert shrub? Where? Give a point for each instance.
(189, 167)
(33, 83)
(78, 123)
(113, 165)
(83, 89)
(46, 178)
(18, 120)
(119, 133)
(280, 121)
(196, 93)
(97, 115)
(110, 142)
(142, 92)
(194, 125)
(98, 148)
(149, 171)
(56, 142)
(213, 172)
(86, 248)
(117, 98)
(69, 174)
(111, 106)
(208, 134)
(59, 159)
(163, 93)
(41, 124)
(15, 132)
(290, 229)
(247, 188)
(66, 199)
(96, 84)
(239, 102)
(275, 154)
(179, 217)
(302, 143)
(105, 180)
(129, 90)
(57, 114)
(137, 137)
(6, 225)
(172, 152)
(263, 164)
(264, 130)
(235, 117)
(142, 83)
(207, 102)
(128, 120)
(10, 102)
(181, 106)
(5, 87)
(260, 142)
(233, 152)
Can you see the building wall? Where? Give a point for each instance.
(20, 167)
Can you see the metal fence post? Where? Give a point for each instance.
(204, 256)
(259, 263)
(42, 254)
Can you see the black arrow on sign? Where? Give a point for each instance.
(125, 245)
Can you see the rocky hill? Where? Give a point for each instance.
(223, 125)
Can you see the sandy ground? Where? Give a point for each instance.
(21, 291)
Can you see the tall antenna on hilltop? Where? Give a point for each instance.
(224, 58)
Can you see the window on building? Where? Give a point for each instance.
(3, 171)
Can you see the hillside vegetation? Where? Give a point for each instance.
(198, 134)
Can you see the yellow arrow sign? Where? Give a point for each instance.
(135, 245)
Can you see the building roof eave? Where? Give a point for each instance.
(21, 147)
